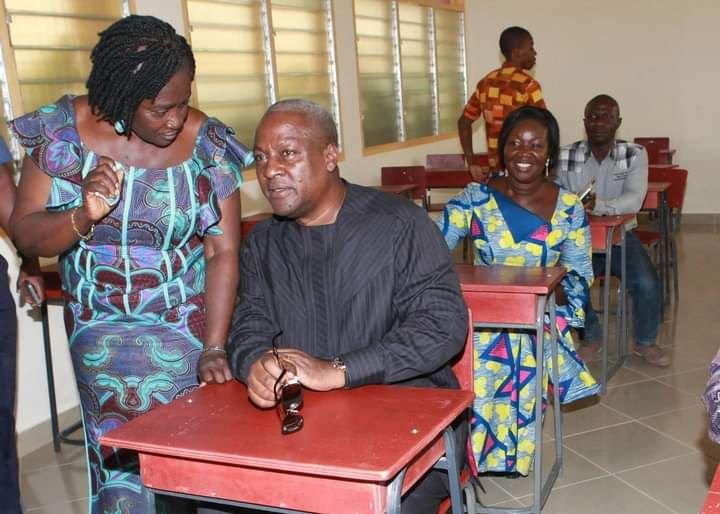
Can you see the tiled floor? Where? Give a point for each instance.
(642, 449)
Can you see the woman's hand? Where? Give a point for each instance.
(213, 367)
(103, 182)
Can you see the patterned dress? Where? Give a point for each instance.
(135, 305)
(503, 425)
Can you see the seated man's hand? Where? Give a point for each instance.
(312, 372)
(589, 203)
(261, 380)
(480, 173)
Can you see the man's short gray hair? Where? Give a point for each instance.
(318, 116)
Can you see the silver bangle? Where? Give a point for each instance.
(214, 349)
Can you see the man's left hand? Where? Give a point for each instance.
(314, 373)
(213, 368)
(30, 274)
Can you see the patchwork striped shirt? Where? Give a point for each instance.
(620, 179)
(498, 94)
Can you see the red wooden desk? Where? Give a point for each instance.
(607, 231)
(358, 450)
(405, 190)
(519, 297)
(712, 500)
(445, 178)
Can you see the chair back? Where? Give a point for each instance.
(401, 175)
(462, 365)
(654, 147)
(453, 161)
(677, 177)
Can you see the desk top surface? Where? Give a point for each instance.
(508, 279)
(369, 433)
(395, 188)
(609, 221)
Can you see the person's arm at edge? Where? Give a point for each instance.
(29, 267)
(221, 283)
(36, 231)
(429, 303)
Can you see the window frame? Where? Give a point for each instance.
(401, 131)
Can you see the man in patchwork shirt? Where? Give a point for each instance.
(498, 94)
(620, 173)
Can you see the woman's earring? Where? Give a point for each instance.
(547, 167)
(119, 127)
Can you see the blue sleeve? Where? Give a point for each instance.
(5, 155)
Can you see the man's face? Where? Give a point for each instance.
(295, 166)
(602, 119)
(525, 54)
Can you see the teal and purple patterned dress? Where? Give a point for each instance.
(503, 232)
(135, 305)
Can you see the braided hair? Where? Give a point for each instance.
(134, 59)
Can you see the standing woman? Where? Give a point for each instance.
(138, 194)
(523, 219)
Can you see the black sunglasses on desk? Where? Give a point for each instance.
(288, 394)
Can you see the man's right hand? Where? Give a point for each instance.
(261, 380)
(480, 173)
(589, 203)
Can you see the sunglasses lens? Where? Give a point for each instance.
(291, 396)
(292, 423)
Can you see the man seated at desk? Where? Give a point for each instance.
(620, 172)
(359, 283)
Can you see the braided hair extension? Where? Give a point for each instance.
(134, 59)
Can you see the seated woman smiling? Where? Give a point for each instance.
(523, 219)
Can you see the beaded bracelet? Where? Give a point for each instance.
(213, 349)
(88, 235)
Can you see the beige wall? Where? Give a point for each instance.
(642, 52)
(658, 58)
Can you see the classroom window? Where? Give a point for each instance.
(411, 65)
(251, 53)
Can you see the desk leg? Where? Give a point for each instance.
(606, 308)
(623, 336)
(557, 411)
(394, 493)
(540, 370)
(453, 471)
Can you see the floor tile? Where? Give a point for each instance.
(625, 446)
(648, 398)
(583, 416)
(688, 426)
(575, 469)
(46, 457)
(493, 494)
(682, 492)
(691, 382)
(50, 485)
(74, 507)
(600, 496)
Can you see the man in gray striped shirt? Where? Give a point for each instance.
(356, 286)
(617, 171)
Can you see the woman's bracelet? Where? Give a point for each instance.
(88, 235)
(214, 348)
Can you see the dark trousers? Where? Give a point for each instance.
(9, 489)
(643, 285)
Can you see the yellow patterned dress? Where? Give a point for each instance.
(503, 232)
